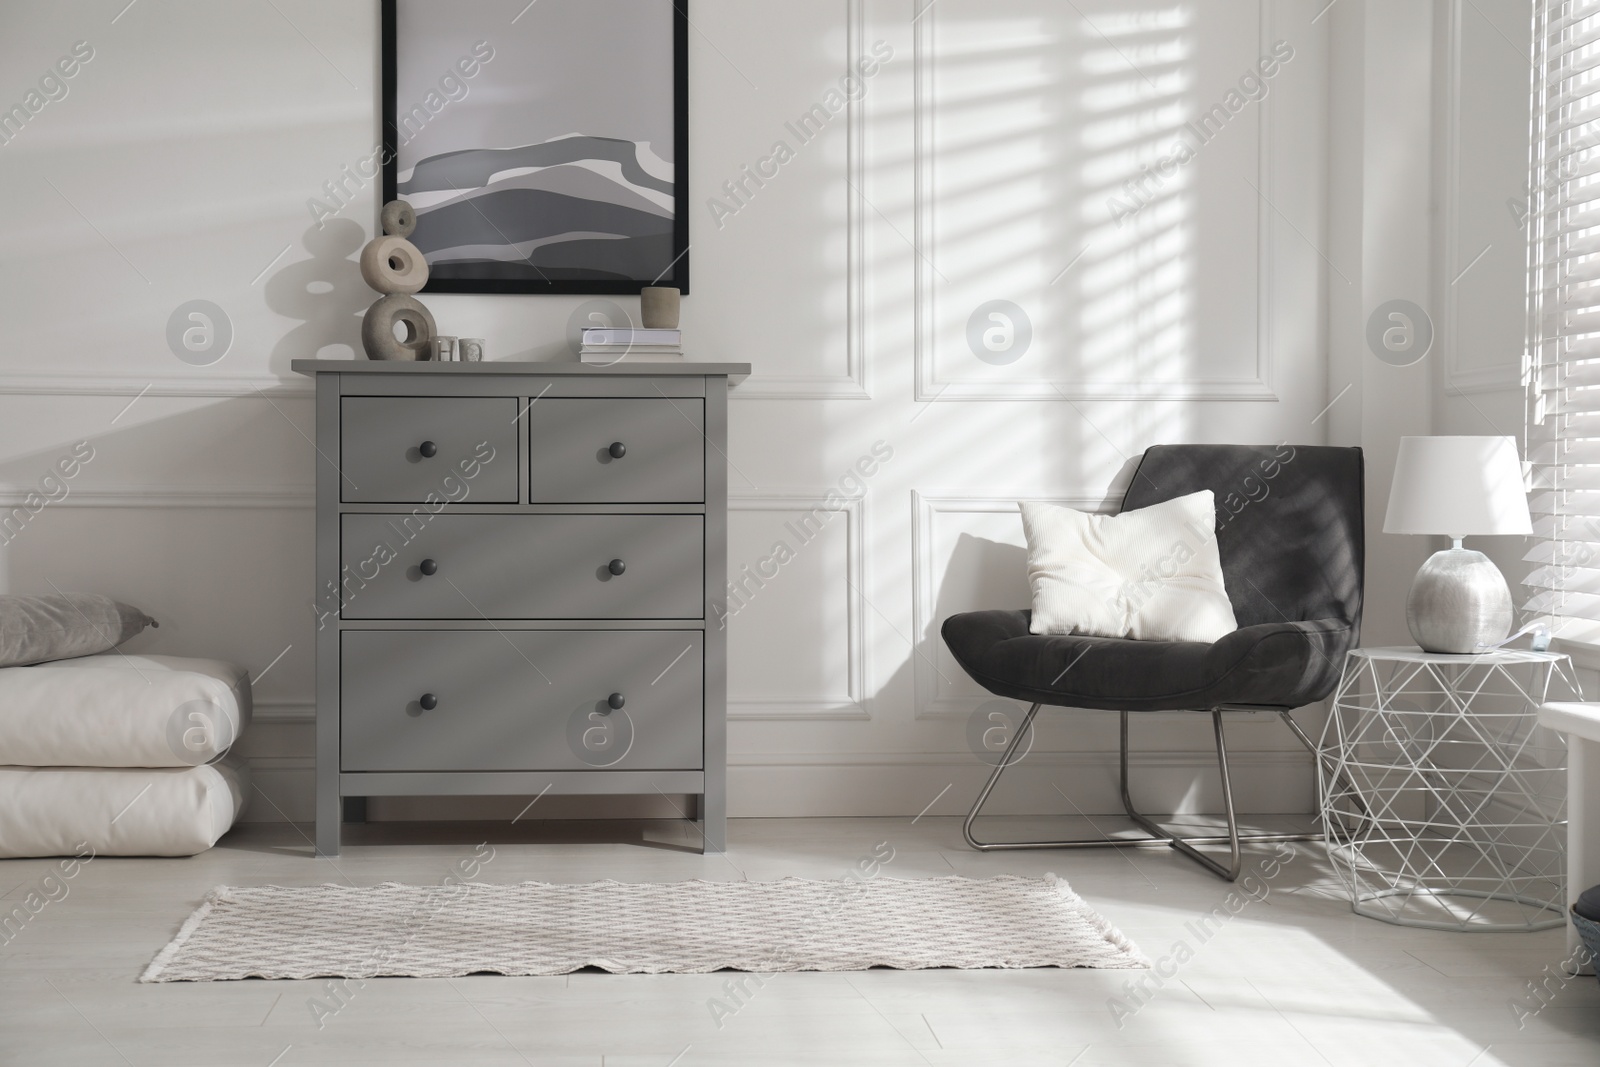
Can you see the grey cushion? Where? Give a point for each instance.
(38, 629)
(1290, 534)
(1588, 904)
(1271, 664)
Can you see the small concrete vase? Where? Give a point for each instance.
(1459, 603)
(658, 307)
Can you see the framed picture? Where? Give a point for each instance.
(543, 146)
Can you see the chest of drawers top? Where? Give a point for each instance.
(734, 372)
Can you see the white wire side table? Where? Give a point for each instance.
(1443, 801)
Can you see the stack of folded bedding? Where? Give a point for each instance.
(123, 754)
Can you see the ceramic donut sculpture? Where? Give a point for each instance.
(398, 219)
(393, 265)
(378, 329)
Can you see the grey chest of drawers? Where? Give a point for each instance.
(515, 571)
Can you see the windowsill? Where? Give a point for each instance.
(1585, 654)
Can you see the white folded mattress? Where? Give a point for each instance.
(115, 710)
(159, 811)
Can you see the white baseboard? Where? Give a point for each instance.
(795, 785)
(282, 789)
(1044, 783)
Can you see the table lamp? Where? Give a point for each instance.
(1459, 487)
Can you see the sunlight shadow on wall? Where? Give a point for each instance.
(1049, 190)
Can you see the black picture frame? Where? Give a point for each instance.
(676, 274)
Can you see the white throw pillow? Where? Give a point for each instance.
(113, 811)
(1152, 574)
(117, 710)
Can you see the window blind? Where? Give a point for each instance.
(1561, 366)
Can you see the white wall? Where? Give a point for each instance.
(977, 167)
(1482, 190)
(1380, 250)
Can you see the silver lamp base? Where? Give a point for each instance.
(1459, 603)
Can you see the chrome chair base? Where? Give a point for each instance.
(1159, 835)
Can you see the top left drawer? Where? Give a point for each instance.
(399, 450)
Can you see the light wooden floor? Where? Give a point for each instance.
(1292, 979)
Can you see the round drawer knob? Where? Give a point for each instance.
(616, 566)
(617, 450)
(428, 566)
(615, 701)
(428, 449)
(428, 701)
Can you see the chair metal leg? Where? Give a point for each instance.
(1341, 832)
(1311, 747)
(1013, 846)
(1186, 845)
(1300, 735)
(1159, 836)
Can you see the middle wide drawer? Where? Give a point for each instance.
(421, 566)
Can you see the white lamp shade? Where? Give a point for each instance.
(1458, 486)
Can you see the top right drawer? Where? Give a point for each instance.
(637, 450)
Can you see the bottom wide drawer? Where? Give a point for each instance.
(503, 700)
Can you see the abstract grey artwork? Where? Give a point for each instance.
(543, 146)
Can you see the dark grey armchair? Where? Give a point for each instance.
(1290, 534)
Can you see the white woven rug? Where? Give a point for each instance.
(632, 928)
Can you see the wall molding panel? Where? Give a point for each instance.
(15, 383)
(929, 386)
(854, 384)
(167, 496)
(1459, 380)
(821, 706)
(284, 711)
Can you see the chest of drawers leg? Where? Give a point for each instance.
(513, 599)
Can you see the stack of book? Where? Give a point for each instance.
(606, 345)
